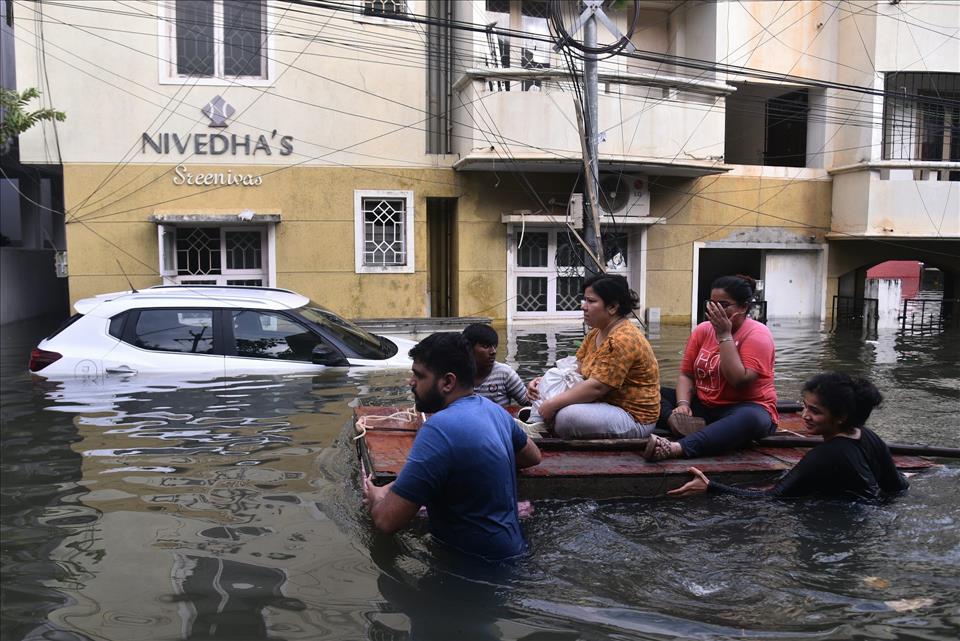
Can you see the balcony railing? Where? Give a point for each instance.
(897, 198)
(670, 124)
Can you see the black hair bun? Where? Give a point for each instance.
(750, 281)
(866, 393)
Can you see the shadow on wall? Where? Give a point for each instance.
(30, 286)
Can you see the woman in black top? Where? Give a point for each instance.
(852, 461)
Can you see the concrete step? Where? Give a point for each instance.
(419, 325)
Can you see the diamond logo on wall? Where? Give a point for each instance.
(218, 110)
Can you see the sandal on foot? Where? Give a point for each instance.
(658, 448)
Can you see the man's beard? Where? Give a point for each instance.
(432, 402)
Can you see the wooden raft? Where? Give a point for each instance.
(599, 469)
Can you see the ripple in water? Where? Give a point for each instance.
(230, 509)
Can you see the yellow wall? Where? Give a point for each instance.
(315, 240)
(724, 208)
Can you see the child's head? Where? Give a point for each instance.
(483, 339)
(480, 334)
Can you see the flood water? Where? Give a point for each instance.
(231, 510)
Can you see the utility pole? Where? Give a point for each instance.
(589, 134)
(591, 231)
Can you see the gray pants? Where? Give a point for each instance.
(598, 420)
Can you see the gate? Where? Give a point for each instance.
(929, 315)
(850, 312)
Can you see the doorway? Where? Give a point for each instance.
(442, 255)
(715, 263)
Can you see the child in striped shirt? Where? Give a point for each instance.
(496, 381)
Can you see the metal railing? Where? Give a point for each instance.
(929, 315)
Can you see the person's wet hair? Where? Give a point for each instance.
(741, 288)
(481, 333)
(847, 396)
(447, 352)
(613, 290)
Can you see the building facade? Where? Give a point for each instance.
(400, 158)
(32, 243)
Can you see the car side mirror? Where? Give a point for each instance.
(324, 354)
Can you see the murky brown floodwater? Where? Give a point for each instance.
(230, 510)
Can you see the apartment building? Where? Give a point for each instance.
(422, 157)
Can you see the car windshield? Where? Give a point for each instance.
(365, 344)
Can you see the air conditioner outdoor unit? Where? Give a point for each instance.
(624, 195)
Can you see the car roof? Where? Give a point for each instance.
(106, 305)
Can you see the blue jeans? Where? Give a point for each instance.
(729, 427)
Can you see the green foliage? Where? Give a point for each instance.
(16, 119)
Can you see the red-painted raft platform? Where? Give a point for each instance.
(599, 469)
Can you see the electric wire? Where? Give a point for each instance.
(659, 63)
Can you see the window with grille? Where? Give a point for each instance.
(384, 231)
(921, 116)
(384, 8)
(547, 269)
(215, 39)
(214, 256)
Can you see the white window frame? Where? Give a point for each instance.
(167, 49)
(166, 239)
(549, 271)
(359, 195)
(516, 45)
(359, 16)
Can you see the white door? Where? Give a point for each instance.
(792, 283)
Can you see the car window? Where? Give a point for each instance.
(117, 324)
(362, 342)
(269, 335)
(175, 330)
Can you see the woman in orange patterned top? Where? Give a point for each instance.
(620, 394)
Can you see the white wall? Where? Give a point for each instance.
(327, 96)
(890, 202)
(918, 36)
(887, 292)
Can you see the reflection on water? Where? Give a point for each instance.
(229, 509)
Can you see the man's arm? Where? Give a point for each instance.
(390, 512)
(529, 455)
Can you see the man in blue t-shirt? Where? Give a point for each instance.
(463, 463)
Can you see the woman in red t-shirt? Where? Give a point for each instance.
(726, 378)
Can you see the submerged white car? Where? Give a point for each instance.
(209, 331)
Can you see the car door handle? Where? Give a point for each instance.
(122, 369)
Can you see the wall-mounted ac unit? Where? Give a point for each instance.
(624, 195)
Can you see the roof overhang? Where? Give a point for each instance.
(219, 217)
(487, 161)
(841, 235)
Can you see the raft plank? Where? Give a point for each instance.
(599, 474)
